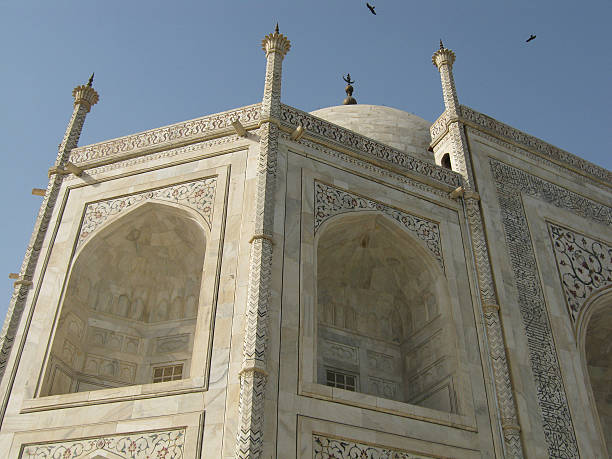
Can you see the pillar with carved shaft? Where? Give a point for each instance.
(443, 59)
(253, 375)
(84, 97)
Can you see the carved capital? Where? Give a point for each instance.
(275, 43)
(509, 425)
(471, 195)
(490, 307)
(443, 57)
(261, 236)
(85, 95)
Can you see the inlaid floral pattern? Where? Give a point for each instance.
(199, 195)
(168, 444)
(584, 265)
(330, 201)
(330, 448)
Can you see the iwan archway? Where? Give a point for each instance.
(595, 342)
(383, 320)
(130, 307)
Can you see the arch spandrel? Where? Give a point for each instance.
(197, 195)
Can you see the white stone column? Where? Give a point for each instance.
(84, 97)
(253, 375)
(443, 59)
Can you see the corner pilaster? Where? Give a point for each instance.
(460, 157)
(84, 98)
(253, 374)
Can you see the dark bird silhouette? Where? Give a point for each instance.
(530, 38)
(371, 8)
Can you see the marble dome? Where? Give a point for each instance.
(393, 127)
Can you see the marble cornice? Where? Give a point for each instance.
(317, 129)
(525, 142)
(172, 136)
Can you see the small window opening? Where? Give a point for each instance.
(341, 380)
(167, 373)
(446, 162)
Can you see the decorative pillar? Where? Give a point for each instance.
(253, 375)
(443, 59)
(84, 97)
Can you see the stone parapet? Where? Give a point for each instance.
(174, 135)
(318, 128)
(481, 122)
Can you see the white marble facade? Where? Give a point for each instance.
(406, 313)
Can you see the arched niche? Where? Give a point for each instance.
(383, 320)
(446, 161)
(130, 306)
(595, 342)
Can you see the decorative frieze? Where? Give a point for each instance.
(364, 145)
(113, 340)
(331, 448)
(165, 154)
(584, 265)
(199, 195)
(383, 387)
(470, 115)
(510, 180)
(331, 201)
(188, 131)
(439, 126)
(109, 368)
(552, 399)
(174, 343)
(381, 362)
(166, 444)
(340, 352)
(340, 156)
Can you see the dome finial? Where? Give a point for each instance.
(90, 82)
(276, 29)
(441, 44)
(349, 100)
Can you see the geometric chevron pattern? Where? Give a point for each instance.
(249, 442)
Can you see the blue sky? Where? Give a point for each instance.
(158, 63)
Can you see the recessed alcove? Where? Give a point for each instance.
(598, 360)
(130, 306)
(383, 318)
(446, 161)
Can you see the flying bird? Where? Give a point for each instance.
(371, 8)
(530, 38)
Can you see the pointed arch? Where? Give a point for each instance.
(382, 312)
(177, 208)
(594, 329)
(128, 315)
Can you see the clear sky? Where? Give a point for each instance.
(161, 62)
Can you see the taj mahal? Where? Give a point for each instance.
(355, 282)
